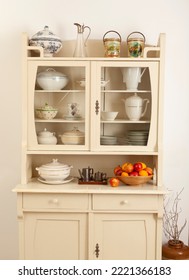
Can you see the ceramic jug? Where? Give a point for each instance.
(134, 107)
(80, 48)
(132, 77)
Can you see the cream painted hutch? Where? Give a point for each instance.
(74, 221)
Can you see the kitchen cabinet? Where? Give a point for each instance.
(72, 221)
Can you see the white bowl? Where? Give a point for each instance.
(108, 116)
(46, 114)
(52, 80)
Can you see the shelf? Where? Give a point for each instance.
(126, 121)
(126, 91)
(60, 121)
(59, 91)
(34, 186)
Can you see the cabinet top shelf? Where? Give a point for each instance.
(95, 50)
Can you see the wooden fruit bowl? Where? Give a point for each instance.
(134, 180)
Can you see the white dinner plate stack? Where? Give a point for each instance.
(137, 137)
(108, 140)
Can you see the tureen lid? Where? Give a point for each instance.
(74, 132)
(51, 73)
(46, 108)
(44, 35)
(134, 100)
(45, 133)
(55, 164)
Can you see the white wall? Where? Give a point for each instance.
(148, 16)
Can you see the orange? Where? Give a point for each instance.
(127, 167)
(124, 174)
(143, 173)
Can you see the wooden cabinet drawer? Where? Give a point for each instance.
(55, 201)
(122, 202)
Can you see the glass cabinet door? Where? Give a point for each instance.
(58, 118)
(124, 102)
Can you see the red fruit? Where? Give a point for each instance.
(138, 166)
(118, 170)
(134, 173)
(114, 182)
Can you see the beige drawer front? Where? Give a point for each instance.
(125, 202)
(55, 201)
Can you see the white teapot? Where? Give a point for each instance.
(134, 107)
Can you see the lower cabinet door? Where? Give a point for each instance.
(55, 236)
(124, 236)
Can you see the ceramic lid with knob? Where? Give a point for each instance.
(51, 73)
(47, 40)
(45, 133)
(134, 100)
(55, 165)
(46, 108)
(74, 132)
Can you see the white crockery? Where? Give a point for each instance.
(73, 137)
(132, 77)
(46, 137)
(108, 116)
(50, 79)
(134, 107)
(103, 83)
(54, 171)
(47, 40)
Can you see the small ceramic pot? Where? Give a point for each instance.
(47, 112)
(73, 137)
(46, 137)
(175, 251)
(47, 40)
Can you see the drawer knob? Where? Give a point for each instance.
(54, 201)
(124, 202)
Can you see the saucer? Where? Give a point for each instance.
(55, 182)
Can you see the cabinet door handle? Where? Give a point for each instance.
(97, 107)
(97, 250)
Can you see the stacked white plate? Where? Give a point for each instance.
(123, 141)
(137, 137)
(108, 140)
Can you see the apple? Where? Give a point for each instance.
(138, 166)
(114, 182)
(127, 167)
(118, 170)
(134, 173)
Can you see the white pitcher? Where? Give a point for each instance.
(132, 77)
(134, 107)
